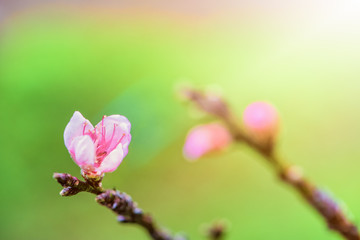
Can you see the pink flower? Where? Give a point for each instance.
(206, 138)
(261, 119)
(100, 149)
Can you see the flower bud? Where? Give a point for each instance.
(204, 139)
(261, 121)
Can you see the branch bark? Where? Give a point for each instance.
(313, 195)
(120, 203)
(216, 231)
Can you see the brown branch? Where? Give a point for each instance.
(72, 185)
(119, 203)
(319, 200)
(128, 212)
(216, 231)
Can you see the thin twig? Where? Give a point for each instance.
(72, 185)
(216, 231)
(119, 203)
(318, 199)
(128, 212)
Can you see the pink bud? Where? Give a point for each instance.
(206, 138)
(100, 149)
(261, 119)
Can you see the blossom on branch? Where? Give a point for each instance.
(204, 139)
(98, 149)
(261, 120)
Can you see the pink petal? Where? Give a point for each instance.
(261, 117)
(220, 136)
(76, 127)
(112, 161)
(204, 139)
(125, 142)
(113, 130)
(83, 151)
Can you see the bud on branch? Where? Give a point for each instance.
(260, 121)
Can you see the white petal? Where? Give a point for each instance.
(112, 161)
(84, 150)
(76, 126)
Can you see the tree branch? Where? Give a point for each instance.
(216, 231)
(72, 185)
(128, 212)
(314, 196)
(119, 203)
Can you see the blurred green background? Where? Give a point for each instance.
(111, 58)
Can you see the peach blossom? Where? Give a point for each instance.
(98, 149)
(204, 139)
(261, 119)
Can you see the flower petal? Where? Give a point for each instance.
(112, 161)
(204, 139)
(198, 142)
(261, 118)
(83, 151)
(125, 142)
(76, 127)
(220, 136)
(113, 130)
